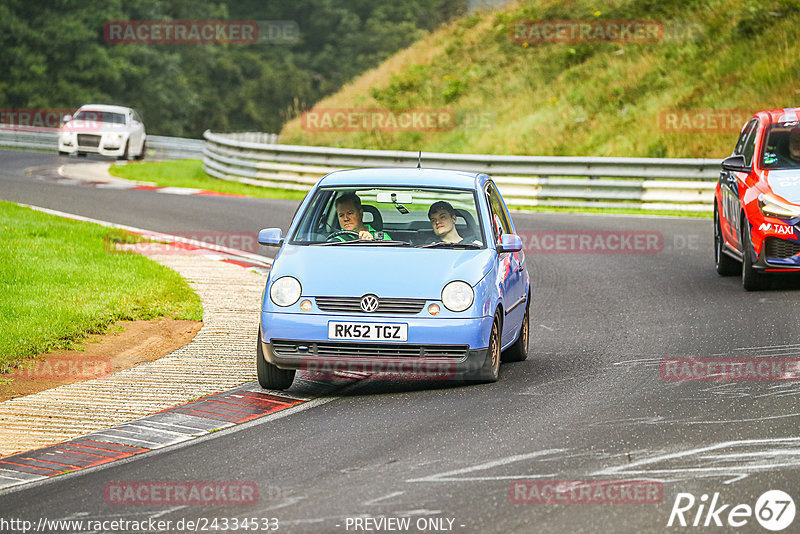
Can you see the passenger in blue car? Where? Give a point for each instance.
(443, 220)
(351, 218)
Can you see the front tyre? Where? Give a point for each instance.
(270, 376)
(725, 265)
(752, 280)
(490, 371)
(144, 150)
(125, 154)
(518, 352)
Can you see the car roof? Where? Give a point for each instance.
(404, 176)
(781, 115)
(104, 107)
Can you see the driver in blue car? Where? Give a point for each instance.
(351, 218)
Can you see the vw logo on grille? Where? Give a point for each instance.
(369, 303)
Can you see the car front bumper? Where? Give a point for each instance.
(437, 348)
(104, 147)
(779, 255)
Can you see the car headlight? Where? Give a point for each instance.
(772, 206)
(285, 291)
(114, 137)
(457, 296)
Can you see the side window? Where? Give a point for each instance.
(500, 222)
(750, 146)
(743, 138)
(746, 145)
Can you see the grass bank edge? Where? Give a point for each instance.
(60, 282)
(189, 173)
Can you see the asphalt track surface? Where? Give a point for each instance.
(589, 403)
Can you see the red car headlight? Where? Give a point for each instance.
(772, 206)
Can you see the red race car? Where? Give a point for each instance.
(757, 200)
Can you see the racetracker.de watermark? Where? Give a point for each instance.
(33, 119)
(591, 241)
(586, 31)
(585, 492)
(181, 243)
(729, 369)
(65, 368)
(378, 369)
(201, 32)
(196, 493)
(378, 120)
(703, 120)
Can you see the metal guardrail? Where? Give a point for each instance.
(256, 158)
(158, 147)
(644, 183)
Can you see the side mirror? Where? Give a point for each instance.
(735, 163)
(271, 237)
(509, 243)
(66, 118)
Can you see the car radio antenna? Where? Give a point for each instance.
(419, 161)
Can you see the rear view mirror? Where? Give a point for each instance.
(509, 243)
(394, 198)
(270, 237)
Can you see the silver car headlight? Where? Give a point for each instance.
(457, 296)
(285, 291)
(771, 206)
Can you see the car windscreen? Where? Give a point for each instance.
(105, 117)
(782, 146)
(391, 216)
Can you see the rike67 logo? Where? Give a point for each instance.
(774, 510)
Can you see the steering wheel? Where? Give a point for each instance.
(338, 233)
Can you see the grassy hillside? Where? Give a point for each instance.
(579, 98)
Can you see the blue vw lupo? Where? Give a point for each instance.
(399, 272)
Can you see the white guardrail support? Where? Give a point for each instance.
(639, 183)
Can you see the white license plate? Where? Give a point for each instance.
(368, 331)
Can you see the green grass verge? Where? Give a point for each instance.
(189, 173)
(59, 283)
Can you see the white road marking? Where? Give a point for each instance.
(447, 475)
(168, 510)
(736, 478)
(640, 360)
(642, 465)
(417, 512)
(378, 499)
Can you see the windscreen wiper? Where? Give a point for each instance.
(444, 244)
(390, 242)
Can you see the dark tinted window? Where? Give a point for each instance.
(782, 146)
(500, 220)
(746, 145)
